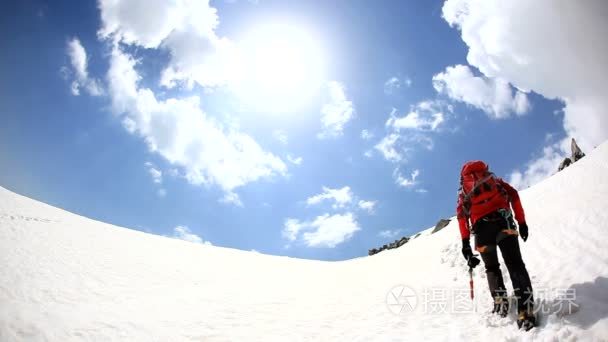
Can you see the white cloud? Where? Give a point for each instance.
(555, 48)
(184, 233)
(231, 198)
(185, 28)
(331, 230)
(389, 148)
(324, 231)
(421, 191)
(178, 130)
(295, 160)
(156, 174)
(390, 234)
(342, 197)
(337, 112)
(541, 167)
(406, 182)
(492, 95)
(418, 118)
(366, 135)
(393, 84)
(328, 230)
(79, 62)
(157, 178)
(413, 129)
(368, 206)
(292, 228)
(280, 136)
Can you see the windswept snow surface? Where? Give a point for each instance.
(64, 277)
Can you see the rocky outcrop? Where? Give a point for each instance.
(440, 225)
(577, 154)
(400, 242)
(564, 164)
(395, 244)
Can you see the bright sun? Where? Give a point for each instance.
(282, 67)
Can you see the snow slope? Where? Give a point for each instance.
(64, 277)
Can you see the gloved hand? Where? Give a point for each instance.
(523, 231)
(472, 261)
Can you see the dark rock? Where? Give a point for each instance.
(440, 225)
(577, 153)
(403, 241)
(564, 164)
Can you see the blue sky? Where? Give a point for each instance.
(249, 134)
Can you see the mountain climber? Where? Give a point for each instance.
(485, 208)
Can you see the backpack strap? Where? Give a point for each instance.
(467, 196)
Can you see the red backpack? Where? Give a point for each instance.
(481, 190)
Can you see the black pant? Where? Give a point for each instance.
(490, 233)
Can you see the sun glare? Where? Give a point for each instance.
(282, 67)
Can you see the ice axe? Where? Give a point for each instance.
(471, 284)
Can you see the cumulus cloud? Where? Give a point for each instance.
(184, 28)
(341, 197)
(184, 233)
(79, 66)
(368, 206)
(329, 230)
(291, 228)
(157, 178)
(420, 117)
(413, 129)
(366, 135)
(295, 160)
(231, 198)
(540, 167)
(406, 182)
(178, 130)
(555, 48)
(337, 112)
(492, 95)
(393, 84)
(324, 231)
(389, 149)
(156, 174)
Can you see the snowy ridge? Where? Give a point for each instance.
(64, 277)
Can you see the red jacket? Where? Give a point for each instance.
(477, 213)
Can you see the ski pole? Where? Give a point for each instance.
(471, 282)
